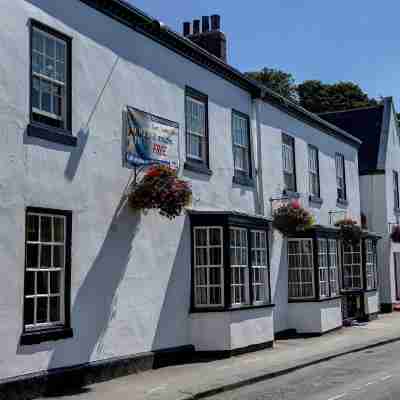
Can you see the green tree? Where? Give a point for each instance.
(319, 97)
(276, 80)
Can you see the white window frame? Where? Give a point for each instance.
(333, 254)
(301, 269)
(235, 269)
(313, 171)
(61, 295)
(340, 176)
(241, 128)
(323, 269)
(49, 80)
(396, 194)
(288, 160)
(371, 264)
(207, 285)
(352, 276)
(262, 268)
(200, 135)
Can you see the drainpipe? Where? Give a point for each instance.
(256, 112)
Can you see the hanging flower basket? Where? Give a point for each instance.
(291, 218)
(161, 189)
(350, 232)
(395, 235)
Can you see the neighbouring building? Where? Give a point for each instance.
(379, 168)
(88, 283)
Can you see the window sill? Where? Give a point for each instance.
(230, 309)
(315, 199)
(51, 134)
(243, 180)
(36, 337)
(342, 203)
(198, 167)
(314, 300)
(370, 290)
(290, 194)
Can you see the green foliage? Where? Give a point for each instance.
(161, 189)
(276, 80)
(319, 97)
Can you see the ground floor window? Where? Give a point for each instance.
(301, 269)
(47, 269)
(352, 267)
(371, 264)
(327, 266)
(230, 262)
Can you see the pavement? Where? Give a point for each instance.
(200, 380)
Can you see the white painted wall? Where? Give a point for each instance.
(273, 122)
(231, 330)
(130, 273)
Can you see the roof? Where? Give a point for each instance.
(371, 125)
(137, 20)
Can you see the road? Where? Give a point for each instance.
(369, 375)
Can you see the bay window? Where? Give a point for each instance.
(352, 267)
(371, 264)
(230, 261)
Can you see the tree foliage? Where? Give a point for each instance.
(276, 80)
(314, 95)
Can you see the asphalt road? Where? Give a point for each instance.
(369, 375)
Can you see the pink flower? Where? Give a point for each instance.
(296, 204)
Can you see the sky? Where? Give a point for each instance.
(347, 40)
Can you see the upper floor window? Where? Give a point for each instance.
(396, 190)
(50, 77)
(340, 177)
(241, 144)
(289, 169)
(313, 171)
(196, 127)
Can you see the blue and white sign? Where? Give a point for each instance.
(151, 140)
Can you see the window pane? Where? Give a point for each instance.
(60, 50)
(46, 96)
(37, 41)
(59, 230)
(32, 228)
(45, 256)
(29, 283)
(38, 63)
(42, 282)
(41, 312)
(32, 255)
(58, 257)
(45, 227)
(29, 310)
(55, 308)
(201, 276)
(49, 47)
(36, 93)
(215, 237)
(55, 281)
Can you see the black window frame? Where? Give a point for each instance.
(193, 164)
(396, 194)
(343, 199)
(30, 337)
(315, 234)
(243, 177)
(290, 141)
(316, 197)
(227, 221)
(39, 129)
(363, 251)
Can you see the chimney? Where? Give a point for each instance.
(214, 40)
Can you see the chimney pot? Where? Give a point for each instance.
(206, 23)
(215, 22)
(186, 28)
(196, 27)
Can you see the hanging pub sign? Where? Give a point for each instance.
(150, 140)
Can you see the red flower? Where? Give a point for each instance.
(296, 204)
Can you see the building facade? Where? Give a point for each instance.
(87, 279)
(379, 168)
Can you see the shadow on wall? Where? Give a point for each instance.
(95, 302)
(172, 326)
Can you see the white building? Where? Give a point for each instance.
(90, 284)
(379, 171)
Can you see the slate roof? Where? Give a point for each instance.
(371, 126)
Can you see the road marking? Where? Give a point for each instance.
(338, 397)
(158, 388)
(371, 383)
(385, 378)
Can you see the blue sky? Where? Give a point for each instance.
(355, 40)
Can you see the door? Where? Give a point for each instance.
(397, 274)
